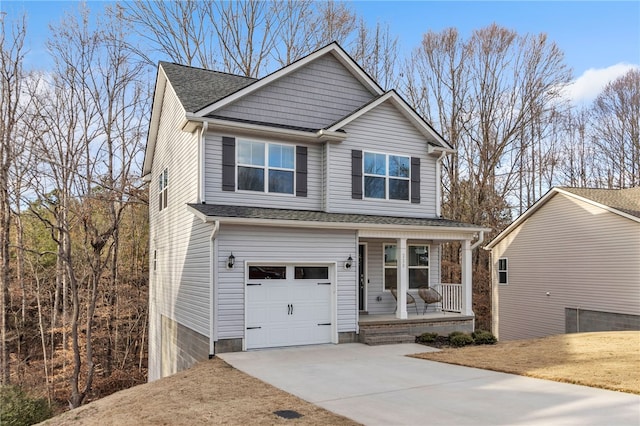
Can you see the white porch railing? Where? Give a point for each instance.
(451, 297)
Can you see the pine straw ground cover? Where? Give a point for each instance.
(212, 392)
(608, 360)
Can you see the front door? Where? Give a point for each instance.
(362, 256)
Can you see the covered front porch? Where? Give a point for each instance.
(399, 275)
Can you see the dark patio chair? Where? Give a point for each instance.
(429, 295)
(410, 299)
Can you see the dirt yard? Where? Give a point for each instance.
(212, 392)
(608, 360)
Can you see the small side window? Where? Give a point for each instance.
(502, 271)
(163, 182)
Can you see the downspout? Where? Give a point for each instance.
(439, 185)
(480, 240)
(201, 161)
(213, 288)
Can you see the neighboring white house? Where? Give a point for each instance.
(284, 209)
(570, 263)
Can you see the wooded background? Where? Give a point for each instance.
(73, 208)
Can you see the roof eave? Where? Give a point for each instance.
(192, 122)
(291, 223)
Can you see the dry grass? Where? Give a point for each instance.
(212, 392)
(608, 360)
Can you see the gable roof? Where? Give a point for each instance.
(409, 113)
(197, 87)
(623, 202)
(202, 92)
(332, 48)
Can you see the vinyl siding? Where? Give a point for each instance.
(213, 185)
(385, 130)
(314, 96)
(258, 244)
(584, 256)
(375, 273)
(179, 288)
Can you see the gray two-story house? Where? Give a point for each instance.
(284, 210)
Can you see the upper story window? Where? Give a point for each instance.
(502, 271)
(386, 176)
(266, 167)
(163, 181)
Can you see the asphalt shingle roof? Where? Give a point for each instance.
(624, 200)
(196, 87)
(217, 210)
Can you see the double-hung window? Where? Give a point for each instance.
(386, 176)
(418, 265)
(163, 182)
(266, 167)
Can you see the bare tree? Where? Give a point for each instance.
(174, 28)
(12, 77)
(616, 131)
(376, 50)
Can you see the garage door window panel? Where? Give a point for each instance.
(267, 272)
(311, 273)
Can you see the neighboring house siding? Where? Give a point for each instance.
(383, 130)
(249, 243)
(179, 287)
(314, 96)
(375, 273)
(584, 256)
(213, 179)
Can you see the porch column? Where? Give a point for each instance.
(402, 278)
(467, 283)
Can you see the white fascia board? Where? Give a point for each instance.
(191, 123)
(154, 122)
(595, 203)
(332, 48)
(406, 111)
(363, 228)
(542, 201)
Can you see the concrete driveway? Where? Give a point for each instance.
(379, 385)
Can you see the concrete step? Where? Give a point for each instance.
(389, 339)
(382, 331)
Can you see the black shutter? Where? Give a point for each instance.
(301, 171)
(415, 180)
(228, 164)
(356, 174)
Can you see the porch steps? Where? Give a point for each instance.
(385, 335)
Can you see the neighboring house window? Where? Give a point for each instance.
(266, 167)
(163, 182)
(386, 176)
(418, 266)
(502, 271)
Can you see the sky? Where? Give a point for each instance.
(600, 39)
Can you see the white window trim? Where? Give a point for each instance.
(386, 176)
(385, 267)
(505, 270)
(265, 168)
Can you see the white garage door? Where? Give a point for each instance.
(287, 306)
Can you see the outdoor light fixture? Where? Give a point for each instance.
(348, 263)
(232, 260)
